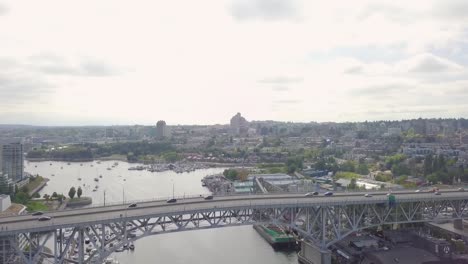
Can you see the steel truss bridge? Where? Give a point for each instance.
(321, 219)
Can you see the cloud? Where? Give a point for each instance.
(22, 89)
(263, 9)
(280, 88)
(53, 64)
(381, 90)
(354, 70)
(287, 101)
(281, 80)
(3, 9)
(451, 10)
(429, 63)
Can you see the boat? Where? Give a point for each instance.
(96, 179)
(94, 190)
(100, 176)
(119, 249)
(132, 246)
(61, 168)
(92, 165)
(109, 169)
(79, 179)
(53, 174)
(68, 163)
(50, 164)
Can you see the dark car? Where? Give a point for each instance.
(44, 218)
(328, 194)
(311, 194)
(38, 213)
(208, 197)
(132, 205)
(172, 200)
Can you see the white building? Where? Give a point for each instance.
(5, 202)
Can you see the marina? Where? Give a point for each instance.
(176, 248)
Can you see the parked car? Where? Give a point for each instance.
(132, 205)
(44, 218)
(172, 200)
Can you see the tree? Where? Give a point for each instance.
(54, 195)
(46, 197)
(362, 169)
(349, 165)
(352, 185)
(428, 165)
(72, 192)
(79, 192)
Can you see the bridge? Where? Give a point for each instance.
(323, 220)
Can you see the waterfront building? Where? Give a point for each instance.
(12, 161)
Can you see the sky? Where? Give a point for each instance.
(113, 62)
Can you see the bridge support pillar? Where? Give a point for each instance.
(458, 224)
(313, 254)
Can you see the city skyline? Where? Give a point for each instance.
(299, 61)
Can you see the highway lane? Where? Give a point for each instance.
(92, 215)
(123, 207)
(88, 210)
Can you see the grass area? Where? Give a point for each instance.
(347, 175)
(34, 183)
(114, 157)
(37, 206)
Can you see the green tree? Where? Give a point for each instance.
(428, 165)
(54, 195)
(231, 174)
(72, 192)
(79, 192)
(362, 169)
(46, 197)
(171, 156)
(349, 165)
(352, 185)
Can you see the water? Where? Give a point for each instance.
(213, 246)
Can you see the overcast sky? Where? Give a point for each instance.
(200, 62)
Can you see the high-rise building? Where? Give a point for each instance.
(162, 131)
(239, 124)
(11, 161)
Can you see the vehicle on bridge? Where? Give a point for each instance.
(208, 197)
(133, 205)
(311, 194)
(328, 194)
(172, 200)
(44, 218)
(37, 213)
